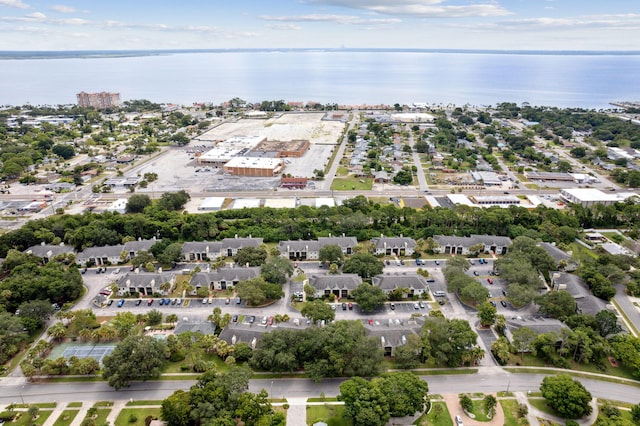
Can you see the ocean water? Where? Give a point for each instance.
(343, 77)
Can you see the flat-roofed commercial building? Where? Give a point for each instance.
(293, 148)
(588, 196)
(230, 148)
(254, 166)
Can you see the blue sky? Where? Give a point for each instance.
(432, 24)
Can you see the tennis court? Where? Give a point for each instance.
(82, 350)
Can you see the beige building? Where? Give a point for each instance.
(99, 100)
(254, 166)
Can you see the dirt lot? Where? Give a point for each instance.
(283, 127)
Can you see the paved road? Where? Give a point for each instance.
(491, 379)
(627, 306)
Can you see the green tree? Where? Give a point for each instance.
(137, 203)
(607, 323)
(257, 291)
(365, 403)
(171, 254)
(568, 397)
(331, 253)
(523, 339)
(406, 393)
(176, 409)
(277, 270)
(557, 304)
(474, 293)
(64, 151)
(251, 256)
(369, 297)
(173, 201)
(490, 403)
(134, 358)
(364, 264)
(466, 403)
(35, 313)
(317, 310)
(487, 314)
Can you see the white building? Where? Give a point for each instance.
(588, 196)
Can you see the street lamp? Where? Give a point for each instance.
(508, 383)
(271, 390)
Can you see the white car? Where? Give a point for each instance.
(459, 421)
(204, 301)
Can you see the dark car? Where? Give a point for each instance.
(504, 292)
(344, 306)
(234, 318)
(437, 262)
(492, 303)
(252, 319)
(503, 303)
(475, 273)
(110, 302)
(161, 302)
(150, 302)
(167, 301)
(138, 302)
(490, 280)
(120, 303)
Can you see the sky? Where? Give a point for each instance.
(220, 24)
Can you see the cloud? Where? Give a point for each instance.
(14, 3)
(595, 22)
(60, 8)
(421, 8)
(39, 16)
(284, 27)
(338, 19)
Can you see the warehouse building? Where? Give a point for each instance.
(254, 166)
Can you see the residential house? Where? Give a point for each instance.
(397, 246)
(416, 284)
(461, 245)
(100, 256)
(230, 246)
(392, 333)
(586, 302)
(538, 324)
(299, 250)
(146, 283)
(132, 248)
(347, 244)
(562, 258)
(201, 251)
(46, 252)
(223, 278)
(339, 285)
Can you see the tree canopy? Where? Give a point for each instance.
(567, 396)
(134, 358)
(369, 297)
(364, 264)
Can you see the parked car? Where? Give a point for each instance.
(252, 319)
(167, 301)
(503, 303)
(227, 301)
(238, 300)
(392, 306)
(350, 306)
(204, 301)
(475, 273)
(416, 306)
(150, 302)
(120, 303)
(344, 306)
(116, 271)
(492, 303)
(490, 280)
(174, 301)
(459, 421)
(161, 302)
(263, 321)
(437, 262)
(138, 302)
(270, 321)
(178, 301)
(109, 302)
(421, 304)
(234, 318)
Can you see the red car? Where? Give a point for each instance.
(490, 280)
(150, 302)
(270, 321)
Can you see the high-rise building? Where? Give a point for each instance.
(99, 100)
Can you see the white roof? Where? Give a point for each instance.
(280, 203)
(211, 203)
(460, 199)
(241, 203)
(590, 194)
(325, 201)
(534, 200)
(254, 162)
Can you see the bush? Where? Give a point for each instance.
(133, 418)
(147, 420)
(523, 410)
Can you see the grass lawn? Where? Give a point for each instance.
(66, 418)
(140, 413)
(174, 367)
(541, 405)
(74, 404)
(510, 408)
(478, 411)
(442, 419)
(352, 183)
(317, 399)
(26, 420)
(342, 171)
(101, 416)
(330, 414)
(45, 405)
(144, 402)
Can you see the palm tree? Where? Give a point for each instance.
(57, 331)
